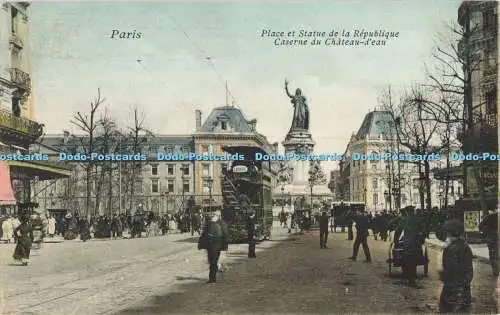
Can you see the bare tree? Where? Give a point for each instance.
(107, 143)
(88, 124)
(137, 137)
(417, 131)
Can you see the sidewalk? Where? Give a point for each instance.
(480, 251)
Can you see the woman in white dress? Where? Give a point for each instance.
(51, 226)
(8, 230)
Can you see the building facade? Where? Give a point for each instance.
(479, 50)
(159, 185)
(18, 129)
(225, 126)
(385, 184)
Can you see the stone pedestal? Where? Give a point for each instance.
(301, 142)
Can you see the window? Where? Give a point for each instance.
(375, 183)
(204, 148)
(138, 187)
(185, 170)
(206, 186)
(170, 186)
(13, 20)
(375, 166)
(476, 19)
(170, 170)
(206, 170)
(375, 199)
(489, 21)
(185, 186)
(223, 125)
(491, 102)
(155, 186)
(169, 150)
(154, 170)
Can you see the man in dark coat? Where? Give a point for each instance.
(251, 235)
(323, 229)
(115, 226)
(457, 271)
(412, 240)
(213, 239)
(362, 226)
(489, 230)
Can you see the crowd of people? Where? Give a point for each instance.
(407, 231)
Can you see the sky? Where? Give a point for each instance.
(73, 55)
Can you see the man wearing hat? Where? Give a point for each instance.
(457, 270)
(251, 235)
(213, 239)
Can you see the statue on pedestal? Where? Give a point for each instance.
(301, 110)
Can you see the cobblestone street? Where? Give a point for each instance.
(298, 277)
(99, 276)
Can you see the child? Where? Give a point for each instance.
(457, 270)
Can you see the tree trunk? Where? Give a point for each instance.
(427, 171)
(421, 185)
(447, 181)
(89, 188)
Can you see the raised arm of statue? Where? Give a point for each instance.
(286, 89)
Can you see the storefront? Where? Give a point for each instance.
(17, 177)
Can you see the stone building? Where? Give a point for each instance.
(378, 183)
(479, 50)
(159, 185)
(224, 126)
(18, 128)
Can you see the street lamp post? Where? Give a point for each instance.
(282, 198)
(311, 185)
(210, 182)
(386, 196)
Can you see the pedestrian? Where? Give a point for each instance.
(24, 233)
(51, 226)
(362, 226)
(251, 235)
(489, 231)
(38, 232)
(115, 226)
(7, 229)
(323, 229)
(457, 271)
(413, 237)
(212, 239)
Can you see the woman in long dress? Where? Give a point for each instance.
(24, 233)
(51, 226)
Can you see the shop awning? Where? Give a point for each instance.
(6, 191)
(44, 170)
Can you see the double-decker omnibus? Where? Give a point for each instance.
(247, 188)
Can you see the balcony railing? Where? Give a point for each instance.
(20, 125)
(16, 41)
(490, 72)
(491, 120)
(20, 78)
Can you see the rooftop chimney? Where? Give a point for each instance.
(253, 124)
(66, 136)
(198, 119)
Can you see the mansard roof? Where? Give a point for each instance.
(376, 124)
(234, 118)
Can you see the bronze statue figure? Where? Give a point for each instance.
(301, 110)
